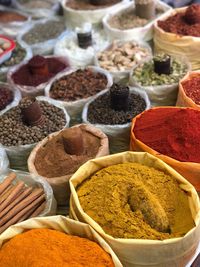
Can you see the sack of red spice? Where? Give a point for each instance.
(189, 93)
(177, 44)
(189, 169)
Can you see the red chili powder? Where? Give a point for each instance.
(180, 23)
(173, 132)
(24, 76)
(192, 88)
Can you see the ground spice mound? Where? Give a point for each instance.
(192, 88)
(52, 160)
(171, 131)
(86, 5)
(178, 24)
(131, 200)
(45, 247)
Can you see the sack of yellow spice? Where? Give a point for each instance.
(135, 251)
(187, 96)
(43, 252)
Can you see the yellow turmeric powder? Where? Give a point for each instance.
(48, 248)
(131, 200)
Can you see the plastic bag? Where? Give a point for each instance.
(119, 135)
(60, 184)
(18, 155)
(183, 100)
(137, 252)
(36, 181)
(190, 170)
(120, 75)
(176, 45)
(92, 16)
(16, 97)
(160, 95)
(33, 90)
(4, 162)
(62, 224)
(144, 33)
(45, 47)
(74, 108)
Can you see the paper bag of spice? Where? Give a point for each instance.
(94, 142)
(177, 44)
(189, 91)
(178, 140)
(64, 225)
(138, 252)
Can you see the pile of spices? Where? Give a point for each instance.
(173, 132)
(42, 32)
(183, 23)
(6, 97)
(90, 4)
(18, 54)
(46, 247)
(78, 85)
(191, 88)
(15, 131)
(37, 3)
(150, 206)
(66, 152)
(145, 74)
(19, 202)
(125, 107)
(11, 16)
(122, 56)
(128, 19)
(38, 70)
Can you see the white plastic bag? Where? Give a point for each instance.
(74, 108)
(119, 135)
(144, 33)
(172, 252)
(33, 90)
(62, 224)
(18, 155)
(4, 162)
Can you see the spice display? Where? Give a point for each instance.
(15, 131)
(37, 3)
(144, 74)
(38, 70)
(171, 131)
(185, 23)
(66, 152)
(122, 56)
(145, 8)
(6, 97)
(46, 247)
(77, 85)
(102, 110)
(18, 54)
(42, 32)
(150, 206)
(128, 19)
(11, 16)
(192, 89)
(88, 5)
(19, 202)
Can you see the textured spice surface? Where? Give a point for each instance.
(6, 97)
(126, 198)
(85, 5)
(171, 131)
(45, 248)
(192, 88)
(51, 160)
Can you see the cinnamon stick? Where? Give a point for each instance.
(39, 210)
(4, 196)
(5, 191)
(9, 179)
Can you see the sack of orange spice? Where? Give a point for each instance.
(189, 95)
(172, 135)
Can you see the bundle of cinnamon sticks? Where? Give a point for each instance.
(19, 202)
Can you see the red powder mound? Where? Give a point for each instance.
(171, 131)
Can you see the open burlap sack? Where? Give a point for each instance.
(137, 252)
(174, 44)
(62, 224)
(60, 184)
(183, 100)
(190, 170)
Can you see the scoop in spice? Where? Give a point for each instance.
(31, 111)
(119, 97)
(73, 141)
(38, 65)
(145, 9)
(84, 35)
(162, 64)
